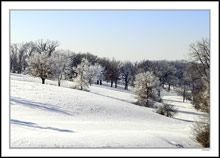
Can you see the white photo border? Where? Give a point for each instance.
(139, 5)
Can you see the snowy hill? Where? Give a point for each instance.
(52, 116)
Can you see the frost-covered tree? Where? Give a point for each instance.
(94, 72)
(19, 52)
(200, 55)
(99, 74)
(59, 65)
(13, 58)
(69, 72)
(146, 88)
(40, 65)
(200, 63)
(200, 60)
(81, 79)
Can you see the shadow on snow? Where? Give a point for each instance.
(34, 125)
(37, 105)
(173, 100)
(111, 97)
(185, 112)
(191, 121)
(191, 113)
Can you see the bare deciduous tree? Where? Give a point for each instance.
(126, 71)
(200, 55)
(40, 65)
(46, 46)
(113, 72)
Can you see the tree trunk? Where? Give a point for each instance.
(100, 82)
(159, 96)
(126, 85)
(115, 84)
(147, 98)
(97, 82)
(58, 81)
(111, 83)
(184, 93)
(193, 93)
(169, 88)
(159, 93)
(43, 80)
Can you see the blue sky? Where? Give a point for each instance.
(125, 35)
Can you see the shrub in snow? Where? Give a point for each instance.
(81, 82)
(166, 110)
(201, 131)
(40, 65)
(146, 87)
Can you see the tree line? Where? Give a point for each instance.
(43, 59)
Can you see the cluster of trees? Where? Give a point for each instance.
(199, 74)
(194, 76)
(47, 61)
(19, 53)
(198, 77)
(190, 78)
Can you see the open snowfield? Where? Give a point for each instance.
(52, 116)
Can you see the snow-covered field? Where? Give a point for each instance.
(52, 116)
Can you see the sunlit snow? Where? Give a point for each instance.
(45, 115)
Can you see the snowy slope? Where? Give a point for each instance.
(185, 110)
(52, 116)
